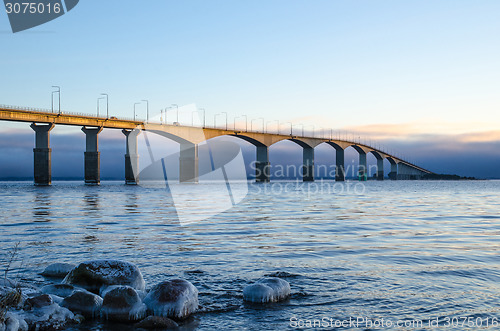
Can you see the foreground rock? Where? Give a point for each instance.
(267, 290)
(58, 270)
(61, 290)
(175, 299)
(93, 275)
(83, 302)
(157, 322)
(44, 316)
(123, 303)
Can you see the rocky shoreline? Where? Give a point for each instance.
(110, 290)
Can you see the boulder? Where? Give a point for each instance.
(61, 290)
(14, 322)
(176, 299)
(93, 275)
(58, 270)
(38, 301)
(123, 304)
(83, 302)
(50, 317)
(267, 290)
(157, 322)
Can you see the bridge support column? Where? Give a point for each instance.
(340, 167)
(394, 171)
(362, 167)
(308, 164)
(403, 172)
(380, 169)
(131, 157)
(262, 165)
(42, 154)
(92, 156)
(188, 163)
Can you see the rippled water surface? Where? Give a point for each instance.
(400, 250)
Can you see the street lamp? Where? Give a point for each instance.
(215, 119)
(277, 123)
(203, 116)
(98, 105)
(147, 109)
(246, 122)
(234, 122)
(177, 107)
(107, 105)
(135, 104)
(291, 128)
(226, 118)
(59, 94)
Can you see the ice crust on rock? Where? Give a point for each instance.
(123, 303)
(93, 275)
(265, 290)
(176, 299)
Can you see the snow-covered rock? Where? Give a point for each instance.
(267, 290)
(93, 275)
(156, 323)
(58, 270)
(122, 303)
(51, 317)
(175, 299)
(14, 322)
(61, 290)
(83, 302)
(38, 301)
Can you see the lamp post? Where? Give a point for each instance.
(203, 116)
(98, 105)
(278, 124)
(135, 104)
(107, 104)
(215, 119)
(234, 122)
(59, 95)
(177, 108)
(226, 118)
(246, 122)
(147, 109)
(291, 128)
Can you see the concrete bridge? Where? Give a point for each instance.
(43, 121)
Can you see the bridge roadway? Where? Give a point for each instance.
(189, 137)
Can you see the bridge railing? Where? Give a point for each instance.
(280, 128)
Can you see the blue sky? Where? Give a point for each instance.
(397, 71)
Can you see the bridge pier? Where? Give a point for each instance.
(340, 167)
(380, 169)
(131, 157)
(262, 165)
(42, 154)
(362, 167)
(393, 175)
(188, 163)
(92, 156)
(308, 164)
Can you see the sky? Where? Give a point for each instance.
(420, 77)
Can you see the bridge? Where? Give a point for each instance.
(189, 137)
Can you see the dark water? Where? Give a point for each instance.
(400, 250)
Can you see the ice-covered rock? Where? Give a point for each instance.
(267, 290)
(176, 299)
(38, 301)
(93, 275)
(51, 317)
(122, 303)
(58, 270)
(14, 322)
(83, 302)
(157, 323)
(61, 290)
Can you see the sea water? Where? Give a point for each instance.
(374, 252)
